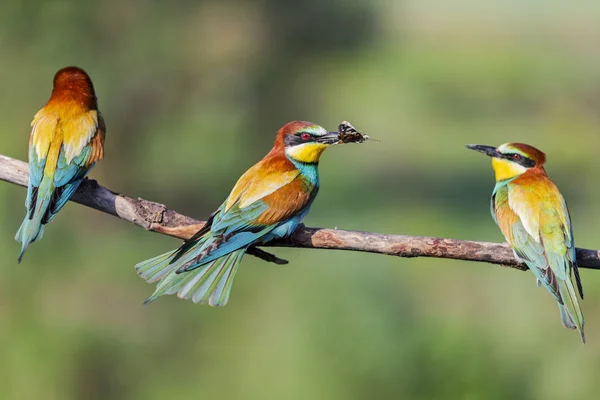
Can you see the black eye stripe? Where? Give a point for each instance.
(524, 161)
(296, 138)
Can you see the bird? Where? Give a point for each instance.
(66, 140)
(268, 202)
(534, 218)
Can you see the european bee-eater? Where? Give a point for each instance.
(267, 202)
(535, 221)
(67, 138)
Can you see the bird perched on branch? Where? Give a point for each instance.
(67, 138)
(534, 219)
(267, 202)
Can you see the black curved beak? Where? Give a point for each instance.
(487, 150)
(329, 138)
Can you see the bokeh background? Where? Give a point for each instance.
(192, 93)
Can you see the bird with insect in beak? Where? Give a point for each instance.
(67, 138)
(534, 219)
(268, 202)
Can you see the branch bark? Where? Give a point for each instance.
(158, 218)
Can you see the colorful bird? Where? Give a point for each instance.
(534, 219)
(67, 138)
(267, 202)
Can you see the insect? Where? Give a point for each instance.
(348, 134)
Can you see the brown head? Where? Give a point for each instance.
(512, 159)
(304, 141)
(74, 84)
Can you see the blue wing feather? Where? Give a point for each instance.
(237, 219)
(36, 167)
(203, 268)
(67, 178)
(550, 256)
(46, 196)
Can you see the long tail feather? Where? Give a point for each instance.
(565, 317)
(29, 232)
(154, 269)
(32, 228)
(210, 284)
(570, 311)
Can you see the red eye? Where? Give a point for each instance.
(516, 157)
(305, 136)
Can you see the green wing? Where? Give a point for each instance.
(549, 251)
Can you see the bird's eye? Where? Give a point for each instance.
(516, 157)
(305, 136)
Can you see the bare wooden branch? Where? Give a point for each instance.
(158, 218)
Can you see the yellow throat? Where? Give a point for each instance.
(506, 169)
(306, 153)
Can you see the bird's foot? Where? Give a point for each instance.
(266, 256)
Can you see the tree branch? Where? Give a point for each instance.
(158, 218)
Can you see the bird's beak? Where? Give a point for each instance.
(487, 150)
(329, 138)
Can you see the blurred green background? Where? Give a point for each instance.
(193, 92)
